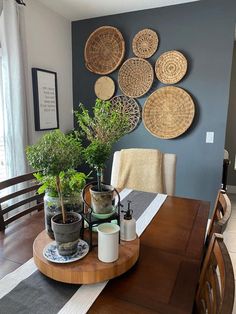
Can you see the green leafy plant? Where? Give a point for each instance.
(72, 183)
(54, 154)
(102, 129)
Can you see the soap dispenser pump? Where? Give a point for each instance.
(128, 225)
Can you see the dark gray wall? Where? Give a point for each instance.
(230, 142)
(204, 32)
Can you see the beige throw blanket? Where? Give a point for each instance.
(141, 169)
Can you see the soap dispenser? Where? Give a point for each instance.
(128, 225)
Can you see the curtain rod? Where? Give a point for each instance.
(20, 2)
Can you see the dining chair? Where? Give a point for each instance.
(221, 215)
(215, 293)
(18, 197)
(168, 171)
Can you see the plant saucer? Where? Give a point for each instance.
(104, 216)
(50, 252)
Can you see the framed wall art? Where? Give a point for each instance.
(45, 99)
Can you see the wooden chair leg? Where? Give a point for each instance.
(2, 224)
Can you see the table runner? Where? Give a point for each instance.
(18, 290)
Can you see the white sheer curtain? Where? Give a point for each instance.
(14, 96)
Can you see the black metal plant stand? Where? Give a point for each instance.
(91, 219)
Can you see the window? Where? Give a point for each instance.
(2, 149)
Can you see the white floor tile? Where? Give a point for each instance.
(233, 213)
(230, 241)
(233, 259)
(234, 308)
(231, 227)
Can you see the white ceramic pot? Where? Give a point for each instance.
(108, 242)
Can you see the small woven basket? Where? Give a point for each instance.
(130, 107)
(145, 43)
(104, 50)
(135, 77)
(168, 112)
(171, 67)
(104, 87)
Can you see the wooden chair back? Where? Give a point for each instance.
(215, 294)
(221, 215)
(24, 194)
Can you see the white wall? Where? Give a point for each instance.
(48, 46)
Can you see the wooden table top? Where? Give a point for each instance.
(164, 279)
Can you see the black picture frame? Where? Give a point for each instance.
(45, 95)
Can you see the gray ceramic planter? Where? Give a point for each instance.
(52, 206)
(102, 201)
(67, 235)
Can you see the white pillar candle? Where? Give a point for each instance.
(108, 242)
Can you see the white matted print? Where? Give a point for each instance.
(45, 99)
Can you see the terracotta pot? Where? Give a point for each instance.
(101, 202)
(67, 235)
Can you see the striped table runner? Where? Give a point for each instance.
(27, 291)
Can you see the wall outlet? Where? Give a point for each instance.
(210, 137)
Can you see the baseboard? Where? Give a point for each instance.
(231, 189)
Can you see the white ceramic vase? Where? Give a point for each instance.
(108, 242)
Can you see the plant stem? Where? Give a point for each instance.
(58, 182)
(99, 175)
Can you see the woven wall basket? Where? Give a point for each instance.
(130, 107)
(171, 67)
(104, 87)
(168, 112)
(104, 50)
(135, 77)
(145, 43)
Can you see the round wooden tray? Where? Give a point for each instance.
(89, 269)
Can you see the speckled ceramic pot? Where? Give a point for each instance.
(67, 235)
(52, 206)
(102, 201)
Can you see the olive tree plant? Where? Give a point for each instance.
(53, 154)
(102, 129)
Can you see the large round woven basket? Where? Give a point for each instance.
(104, 87)
(130, 107)
(145, 43)
(135, 77)
(168, 112)
(171, 67)
(104, 50)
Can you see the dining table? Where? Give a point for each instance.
(163, 280)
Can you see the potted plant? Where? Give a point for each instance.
(53, 154)
(72, 183)
(101, 130)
